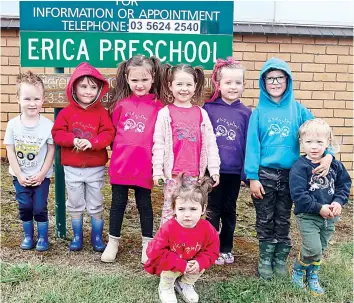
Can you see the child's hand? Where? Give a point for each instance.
(326, 212)
(256, 189)
(37, 179)
(157, 181)
(336, 208)
(192, 267)
(216, 179)
(23, 180)
(83, 144)
(325, 163)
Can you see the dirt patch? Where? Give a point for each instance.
(245, 243)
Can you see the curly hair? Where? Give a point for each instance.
(29, 78)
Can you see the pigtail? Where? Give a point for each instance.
(214, 84)
(156, 68)
(206, 185)
(199, 88)
(165, 93)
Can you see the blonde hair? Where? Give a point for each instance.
(29, 78)
(195, 191)
(319, 127)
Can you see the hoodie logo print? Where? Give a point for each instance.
(130, 124)
(82, 135)
(317, 182)
(275, 129)
(221, 131)
(188, 132)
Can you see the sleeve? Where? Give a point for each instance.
(160, 255)
(105, 134)
(243, 174)
(50, 137)
(304, 202)
(253, 147)
(211, 145)
(159, 145)
(9, 137)
(60, 131)
(342, 185)
(207, 257)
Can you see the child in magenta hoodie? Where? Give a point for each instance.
(134, 111)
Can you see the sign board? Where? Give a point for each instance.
(104, 33)
(55, 86)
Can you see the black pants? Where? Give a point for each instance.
(222, 206)
(119, 204)
(274, 210)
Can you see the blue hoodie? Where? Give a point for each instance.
(230, 124)
(272, 139)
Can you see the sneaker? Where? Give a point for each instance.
(167, 295)
(220, 260)
(228, 257)
(187, 292)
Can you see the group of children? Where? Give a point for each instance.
(159, 134)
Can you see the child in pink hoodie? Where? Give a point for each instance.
(134, 111)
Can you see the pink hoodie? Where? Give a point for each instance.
(131, 161)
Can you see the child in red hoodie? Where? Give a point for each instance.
(134, 110)
(83, 130)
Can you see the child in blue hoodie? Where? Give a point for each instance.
(229, 118)
(272, 148)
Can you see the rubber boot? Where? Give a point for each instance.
(297, 272)
(281, 253)
(77, 242)
(27, 242)
(96, 234)
(312, 279)
(42, 243)
(145, 242)
(266, 255)
(110, 253)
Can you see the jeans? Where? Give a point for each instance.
(119, 204)
(222, 206)
(32, 201)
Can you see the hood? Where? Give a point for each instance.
(275, 63)
(222, 102)
(85, 69)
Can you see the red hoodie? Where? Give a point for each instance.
(92, 123)
(131, 161)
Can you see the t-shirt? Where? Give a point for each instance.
(187, 139)
(30, 144)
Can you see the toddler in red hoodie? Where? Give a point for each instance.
(134, 110)
(83, 130)
(186, 245)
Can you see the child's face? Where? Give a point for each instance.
(231, 84)
(188, 212)
(86, 91)
(314, 145)
(275, 82)
(30, 98)
(182, 88)
(139, 80)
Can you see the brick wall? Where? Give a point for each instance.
(322, 71)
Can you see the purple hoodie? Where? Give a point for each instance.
(230, 123)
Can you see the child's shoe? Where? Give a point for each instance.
(145, 242)
(27, 242)
(96, 234)
(110, 253)
(297, 273)
(266, 254)
(281, 253)
(228, 257)
(312, 279)
(220, 260)
(167, 295)
(187, 292)
(77, 242)
(42, 243)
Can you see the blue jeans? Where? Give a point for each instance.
(32, 201)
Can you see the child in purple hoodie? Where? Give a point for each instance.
(229, 118)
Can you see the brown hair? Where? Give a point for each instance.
(29, 78)
(195, 191)
(220, 64)
(168, 73)
(122, 89)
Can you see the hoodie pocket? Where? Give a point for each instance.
(278, 156)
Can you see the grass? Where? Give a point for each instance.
(44, 283)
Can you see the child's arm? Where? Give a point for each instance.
(11, 155)
(38, 178)
(158, 148)
(60, 131)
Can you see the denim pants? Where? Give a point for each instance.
(315, 233)
(32, 201)
(222, 206)
(119, 204)
(274, 210)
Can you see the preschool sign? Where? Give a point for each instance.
(104, 33)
